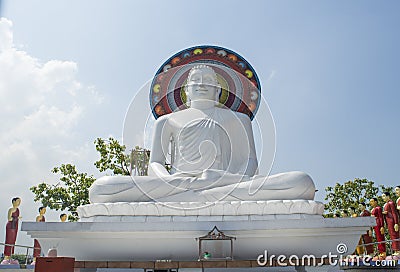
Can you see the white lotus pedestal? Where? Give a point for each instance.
(167, 231)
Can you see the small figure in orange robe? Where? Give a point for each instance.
(37, 249)
(392, 221)
(11, 231)
(379, 228)
(367, 238)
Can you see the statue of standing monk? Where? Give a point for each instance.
(11, 231)
(392, 221)
(379, 229)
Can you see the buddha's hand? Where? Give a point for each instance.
(180, 177)
(211, 174)
(223, 177)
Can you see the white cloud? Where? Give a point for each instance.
(42, 105)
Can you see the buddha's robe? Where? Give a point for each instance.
(213, 158)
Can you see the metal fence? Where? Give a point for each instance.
(388, 244)
(27, 256)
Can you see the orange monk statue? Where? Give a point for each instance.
(37, 249)
(11, 231)
(379, 229)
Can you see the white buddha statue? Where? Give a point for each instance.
(213, 157)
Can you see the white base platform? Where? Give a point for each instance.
(200, 211)
(174, 240)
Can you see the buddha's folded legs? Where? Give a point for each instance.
(291, 185)
(283, 186)
(110, 189)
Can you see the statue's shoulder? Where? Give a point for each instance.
(235, 114)
(172, 118)
(243, 117)
(164, 118)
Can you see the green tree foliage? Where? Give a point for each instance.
(72, 190)
(112, 157)
(21, 258)
(351, 193)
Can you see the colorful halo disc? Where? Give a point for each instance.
(241, 89)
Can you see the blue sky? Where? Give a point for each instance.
(329, 71)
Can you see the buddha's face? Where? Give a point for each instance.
(202, 84)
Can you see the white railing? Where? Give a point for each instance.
(21, 246)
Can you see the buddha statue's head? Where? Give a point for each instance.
(202, 84)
